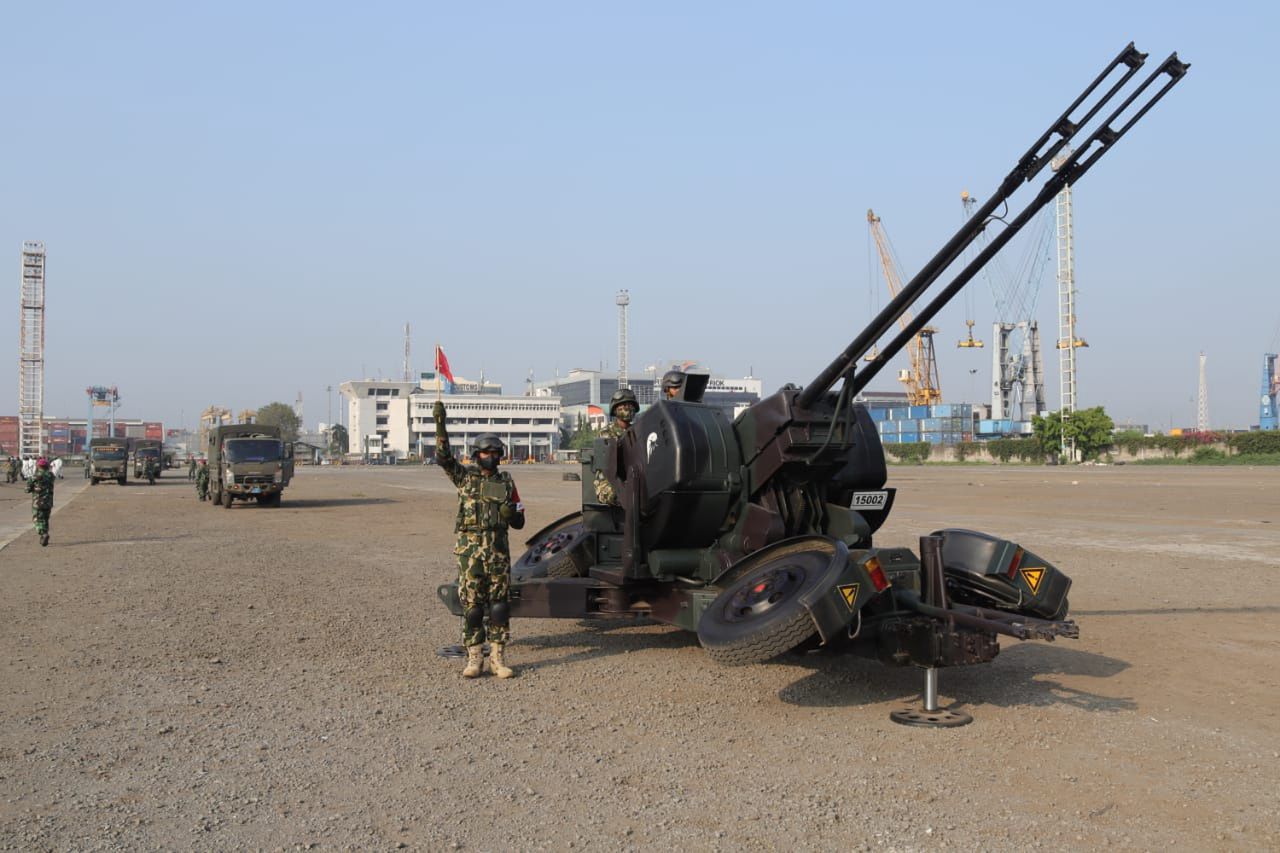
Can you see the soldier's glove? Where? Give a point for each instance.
(437, 412)
(508, 512)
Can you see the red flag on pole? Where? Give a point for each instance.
(442, 366)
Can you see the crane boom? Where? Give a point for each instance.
(921, 380)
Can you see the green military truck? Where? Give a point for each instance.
(108, 460)
(248, 461)
(144, 450)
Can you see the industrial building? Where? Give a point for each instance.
(390, 419)
(66, 436)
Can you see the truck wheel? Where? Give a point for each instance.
(227, 499)
(93, 481)
(556, 551)
(276, 499)
(123, 480)
(760, 615)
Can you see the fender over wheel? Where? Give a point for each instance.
(762, 614)
(558, 550)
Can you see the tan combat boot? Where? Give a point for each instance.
(475, 661)
(499, 668)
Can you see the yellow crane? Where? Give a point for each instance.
(921, 380)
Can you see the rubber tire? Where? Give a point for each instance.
(276, 500)
(93, 481)
(786, 627)
(227, 499)
(565, 566)
(123, 481)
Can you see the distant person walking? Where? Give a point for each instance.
(11, 474)
(56, 467)
(28, 468)
(191, 467)
(40, 487)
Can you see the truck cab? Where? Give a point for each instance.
(248, 462)
(108, 460)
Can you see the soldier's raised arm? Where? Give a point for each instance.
(444, 454)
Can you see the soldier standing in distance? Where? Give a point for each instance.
(40, 486)
(12, 475)
(622, 408)
(191, 467)
(488, 504)
(202, 481)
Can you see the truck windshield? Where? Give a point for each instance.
(253, 450)
(108, 453)
(148, 453)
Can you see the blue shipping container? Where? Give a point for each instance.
(919, 411)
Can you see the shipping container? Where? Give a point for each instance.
(919, 411)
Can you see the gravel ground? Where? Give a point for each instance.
(183, 676)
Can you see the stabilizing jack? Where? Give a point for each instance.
(934, 588)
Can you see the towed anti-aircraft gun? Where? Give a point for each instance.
(757, 534)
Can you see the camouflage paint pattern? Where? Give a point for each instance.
(484, 558)
(40, 486)
(605, 492)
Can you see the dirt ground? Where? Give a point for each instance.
(182, 676)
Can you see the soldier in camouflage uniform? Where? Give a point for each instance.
(40, 486)
(488, 504)
(622, 408)
(12, 474)
(202, 481)
(191, 467)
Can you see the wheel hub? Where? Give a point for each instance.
(765, 592)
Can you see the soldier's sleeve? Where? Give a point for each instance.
(605, 493)
(517, 520)
(444, 455)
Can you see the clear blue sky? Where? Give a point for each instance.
(242, 201)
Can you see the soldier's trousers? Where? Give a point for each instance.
(40, 515)
(484, 579)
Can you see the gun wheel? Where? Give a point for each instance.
(760, 615)
(557, 551)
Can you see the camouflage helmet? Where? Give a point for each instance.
(489, 441)
(673, 379)
(622, 395)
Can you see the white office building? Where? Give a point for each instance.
(393, 419)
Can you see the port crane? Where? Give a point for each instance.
(921, 379)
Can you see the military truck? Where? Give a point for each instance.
(108, 460)
(144, 450)
(760, 534)
(248, 462)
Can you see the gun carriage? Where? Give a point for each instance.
(759, 534)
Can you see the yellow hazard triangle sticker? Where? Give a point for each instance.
(850, 593)
(1033, 578)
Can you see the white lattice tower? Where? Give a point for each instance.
(408, 369)
(31, 352)
(1202, 407)
(623, 300)
(1067, 340)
